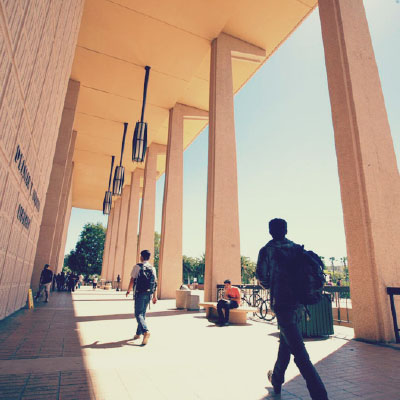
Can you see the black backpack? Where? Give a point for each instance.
(308, 277)
(145, 281)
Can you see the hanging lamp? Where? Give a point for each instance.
(119, 174)
(139, 143)
(107, 202)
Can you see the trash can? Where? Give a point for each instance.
(320, 320)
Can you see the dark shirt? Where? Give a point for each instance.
(275, 264)
(46, 276)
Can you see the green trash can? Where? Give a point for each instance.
(320, 320)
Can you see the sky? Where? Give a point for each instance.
(287, 164)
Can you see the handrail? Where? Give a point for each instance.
(393, 291)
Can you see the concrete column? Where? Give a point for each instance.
(61, 252)
(170, 263)
(107, 242)
(369, 178)
(147, 212)
(54, 191)
(62, 209)
(222, 230)
(114, 234)
(121, 238)
(130, 253)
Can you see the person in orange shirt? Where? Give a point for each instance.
(231, 300)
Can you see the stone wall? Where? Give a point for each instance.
(37, 46)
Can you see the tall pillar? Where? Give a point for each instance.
(107, 243)
(121, 238)
(170, 263)
(222, 230)
(54, 191)
(61, 252)
(147, 212)
(62, 209)
(368, 173)
(130, 253)
(113, 242)
(60, 262)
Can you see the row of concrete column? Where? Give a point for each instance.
(57, 207)
(369, 178)
(222, 242)
(368, 173)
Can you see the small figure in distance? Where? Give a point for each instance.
(95, 280)
(231, 300)
(118, 283)
(274, 261)
(144, 278)
(46, 278)
(339, 282)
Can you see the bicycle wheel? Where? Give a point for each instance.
(266, 311)
(245, 301)
(254, 300)
(260, 308)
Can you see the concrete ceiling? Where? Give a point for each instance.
(119, 37)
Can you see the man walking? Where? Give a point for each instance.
(118, 283)
(143, 277)
(274, 264)
(46, 278)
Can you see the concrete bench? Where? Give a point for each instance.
(185, 299)
(236, 315)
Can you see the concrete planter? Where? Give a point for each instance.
(181, 298)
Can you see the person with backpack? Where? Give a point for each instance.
(46, 278)
(294, 278)
(144, 280)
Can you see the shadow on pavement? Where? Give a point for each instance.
(111, 345)
(49, 331)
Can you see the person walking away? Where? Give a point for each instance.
(95, 282)
(46, 279)
(62, 281)
(144, 279)
(118, 283)
(276, 265)
(54, 281)
(230, 301)
(80, 281)
(70, 282)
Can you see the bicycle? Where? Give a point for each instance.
(265, 311)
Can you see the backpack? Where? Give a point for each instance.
(145, 281)
(308, 277)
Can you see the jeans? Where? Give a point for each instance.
(226, 305)
(46, 287)
(291, 342)
(142, 300)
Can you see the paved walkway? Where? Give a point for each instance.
(80, 347)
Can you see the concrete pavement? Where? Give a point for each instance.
(80, 346)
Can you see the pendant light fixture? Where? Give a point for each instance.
(139, 144)
(119, 174)
(107, 202)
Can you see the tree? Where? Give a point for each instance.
(157, 239)
(87, 257)
(248, 269)
(189, 268)
(333, 267)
